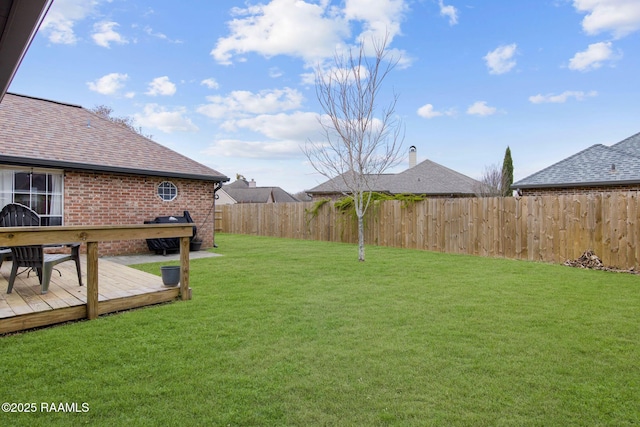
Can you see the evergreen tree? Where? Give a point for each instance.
(507, 174)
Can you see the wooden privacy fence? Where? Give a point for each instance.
(539, 228)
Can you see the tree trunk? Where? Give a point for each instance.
(361, 238)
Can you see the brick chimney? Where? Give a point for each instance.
(252, 183)
(412, 156)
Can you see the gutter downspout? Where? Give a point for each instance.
(216, 187)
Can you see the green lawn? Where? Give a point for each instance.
(284, 332)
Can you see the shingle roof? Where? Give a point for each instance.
(429, 177)
(37, 132)
(596, 165)
(426, 177)
(241, 192)
(338, 185)
(630, 145)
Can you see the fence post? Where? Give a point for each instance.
(92, 280)
(185, 291)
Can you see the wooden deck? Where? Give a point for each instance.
(121, 288)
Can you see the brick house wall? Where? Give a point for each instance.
(117, 199)
(577, 190)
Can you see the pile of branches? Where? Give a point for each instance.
(590, 260)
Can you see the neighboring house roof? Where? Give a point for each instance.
(426, 177)
(223, 198)
(242, 192)
(19, 21)
(338, 184)
(41, 133)
(597, 165)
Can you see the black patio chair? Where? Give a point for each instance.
(33, 256)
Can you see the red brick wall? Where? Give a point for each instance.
(577, 190)
(115, 199)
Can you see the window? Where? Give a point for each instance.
(167, 191)
(39, 189)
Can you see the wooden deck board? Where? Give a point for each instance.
(120, 288)
(5, 310)
(121, 277)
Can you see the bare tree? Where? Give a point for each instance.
(490, 182)
(106, 112)
(359, 145)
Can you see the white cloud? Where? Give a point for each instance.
(378, 18)
(283, 133)
(155, 116)
(428, 112)
(312, 31)
(149, 31)
(449, 11)
(308, 79)
(295, 126)
(161, 86)
(59, 22)
(275, 72)
(245, 102)
(480, 108)
(282, 27)
(108, 84)
(593, 57)
(620, 17)
(104, 34)
(254, 149)
(500, 60)
(210, 83)
(561, 98)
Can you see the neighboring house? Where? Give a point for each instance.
(425, 178)
(243, 191)
(595, 169)
(74, 167)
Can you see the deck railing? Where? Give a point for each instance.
(92, 236)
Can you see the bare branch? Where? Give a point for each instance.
(490, 182)
(360, 143)
(106, 112)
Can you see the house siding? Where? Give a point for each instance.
(118, 199)
(577, 190)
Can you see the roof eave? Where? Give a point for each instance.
(43, 163)
(517, 186)
(446, 193)
(16, 34)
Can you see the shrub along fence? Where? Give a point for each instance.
(539, 228)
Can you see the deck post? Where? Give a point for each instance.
(185, 291)
(92, 280)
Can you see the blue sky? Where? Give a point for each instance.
(230, 83)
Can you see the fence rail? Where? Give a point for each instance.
(538, 228)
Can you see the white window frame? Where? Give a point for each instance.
(161, 191)
(52, 195)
